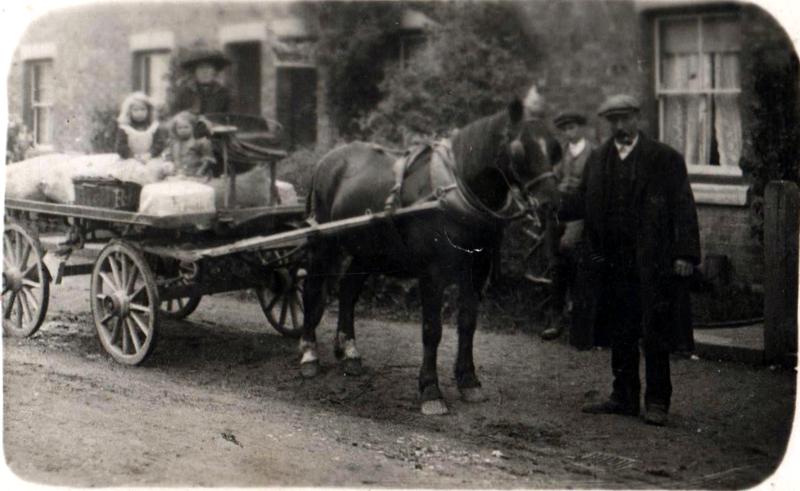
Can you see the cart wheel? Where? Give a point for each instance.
(178, 308)
(124, 303)
(283, 302)
(26, 286)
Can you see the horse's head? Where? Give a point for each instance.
(503, 164)
(528, 167)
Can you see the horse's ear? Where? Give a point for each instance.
(515, 110)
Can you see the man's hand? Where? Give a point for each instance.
(683, 268)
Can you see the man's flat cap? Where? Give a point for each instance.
(567, 117)
(618, 104)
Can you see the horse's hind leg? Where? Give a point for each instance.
(469, 293)
(322, 260)
(431, 292)
(344, 345)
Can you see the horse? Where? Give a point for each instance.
(489, 172)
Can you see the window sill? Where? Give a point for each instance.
(720, 194)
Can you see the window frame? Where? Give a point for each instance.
(36, 107)
(659, 92)
(141, 72)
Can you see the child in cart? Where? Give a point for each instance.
(139, 134)
(191, 156)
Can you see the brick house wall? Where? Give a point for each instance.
(92, 65)
(593, 49)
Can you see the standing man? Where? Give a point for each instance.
(568, 235)
(203, 94)
(642, 235)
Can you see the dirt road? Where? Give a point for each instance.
(221, 402)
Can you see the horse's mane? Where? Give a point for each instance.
(475, 145)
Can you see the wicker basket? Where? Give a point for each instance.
(103, 192)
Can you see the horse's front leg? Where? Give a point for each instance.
(469, 296)
(344, 345)
(431, 291)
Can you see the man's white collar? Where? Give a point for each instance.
(575, 149)
(625, 150)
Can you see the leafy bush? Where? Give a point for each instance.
(298, 167)
(104, 129)
(473, 65)
(19, 140)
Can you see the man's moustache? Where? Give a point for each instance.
(623, 138)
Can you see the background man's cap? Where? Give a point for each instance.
(205, 55)
(618, 104)
(567, 117)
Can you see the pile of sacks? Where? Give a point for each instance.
(49, 178)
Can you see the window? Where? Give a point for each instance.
(151, 74)
(38, 104)
(698, 90)
(296, 104)
(244, 76)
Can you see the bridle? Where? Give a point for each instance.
(521, 192)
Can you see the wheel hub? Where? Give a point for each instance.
(117, 303)
(12, 278)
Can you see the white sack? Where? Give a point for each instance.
(252, 189)
(24, 179)
(176, 197)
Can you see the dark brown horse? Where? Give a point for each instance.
(485, 173)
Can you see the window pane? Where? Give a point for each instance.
(687, 127)
(728, 129)
(158, 77)
(42, 82)
(42, 125)
(726, 73)
(685, 71)
(721, 34)
(679, 36)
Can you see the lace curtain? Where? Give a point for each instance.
(694, 121)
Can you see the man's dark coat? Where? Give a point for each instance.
(666, 230)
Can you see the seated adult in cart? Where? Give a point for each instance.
(202, 93)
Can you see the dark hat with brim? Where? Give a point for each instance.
(618, 104)
(569, 117)
(204, 55)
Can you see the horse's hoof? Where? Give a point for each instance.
(353, 367)
(436, 407)
(309, 369)
(473, 394)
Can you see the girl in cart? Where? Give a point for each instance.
(192, 156)
(139, 134)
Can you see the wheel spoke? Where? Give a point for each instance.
(8, 248)
(107, 318)
(108, 280)
(181, 305)
(19, 312)
(125, 342)
(33, 267)
(134, 274)
(284, 304)
(115, 272)
(274, 300)
(26, 253)
(31, 283)
(27, 310)
(142, 325)
(169, 305)
(139, 308)
(123, 279)
(137, 343)
(18, 247)
(293, 311)
(11, 301)
(115, 332)
(137, 292)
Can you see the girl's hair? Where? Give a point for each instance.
(185, 116)
(125, 108)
